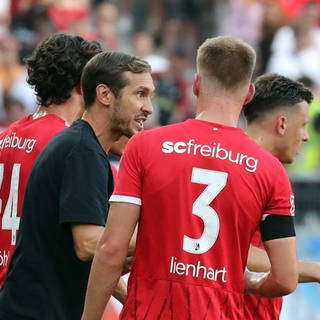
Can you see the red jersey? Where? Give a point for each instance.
(203, 190)
(259, 308)
(20, 144)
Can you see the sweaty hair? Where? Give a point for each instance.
(228, 60)
(275, 91)
(55, 67)
(109, 68)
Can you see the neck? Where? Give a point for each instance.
(102, 128)
(219, 110)
(69, 111)
(261, 137)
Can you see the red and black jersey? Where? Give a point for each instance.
(203, 190)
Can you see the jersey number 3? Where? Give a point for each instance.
(10, 221)
(215, 181)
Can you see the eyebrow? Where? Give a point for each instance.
(146, 89)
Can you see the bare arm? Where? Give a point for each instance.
(109, 259)
(120, 292)
(132, 243)
(309, 271)
(283, 275)
(258, 261)
(85, 239)
(129, 259)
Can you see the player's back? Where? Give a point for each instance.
(20, 144)
(205, 189)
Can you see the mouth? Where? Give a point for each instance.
(140, 122)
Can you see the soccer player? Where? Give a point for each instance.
(54, 71)
(66, 200)
(199, 189)
(277, 119)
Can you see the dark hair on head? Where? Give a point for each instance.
(275, 91)
(109, 68)
(96, 3)
(55, 67)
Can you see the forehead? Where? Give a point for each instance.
(140, 80)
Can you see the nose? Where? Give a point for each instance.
(147, 107)
(305, 136)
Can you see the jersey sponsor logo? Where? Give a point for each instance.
(214, 151)
(14, 142)
(197, 270)
(293, 207)
(4, 257)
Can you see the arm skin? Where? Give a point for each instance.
(85, 239)
(283, 275)
(258, 261)
(129, 259)
(120, 291)
(110, 256)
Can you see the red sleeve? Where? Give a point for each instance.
(282, 200)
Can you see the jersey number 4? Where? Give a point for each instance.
(10, 221)
(215, 181)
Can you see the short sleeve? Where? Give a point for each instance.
(86, 188)
(281, 201)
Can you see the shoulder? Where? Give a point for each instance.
(267, 163)
(160, 131)
(15, 126)
(73, 133)
(148, 138)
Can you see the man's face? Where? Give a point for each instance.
(133, 105)
(296, 132)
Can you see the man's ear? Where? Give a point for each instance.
(250, 93)
(281, 125)
(104, 94)
(196, 84)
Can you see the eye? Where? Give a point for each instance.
(141, 94)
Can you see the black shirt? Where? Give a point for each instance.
(70, 182)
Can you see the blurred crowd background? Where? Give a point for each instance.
(285, 34)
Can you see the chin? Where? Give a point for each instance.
(288, 161)
(137, 129)
(130, 133)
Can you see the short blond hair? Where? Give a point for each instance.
(228, 60)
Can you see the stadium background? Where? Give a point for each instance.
(285, 34)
